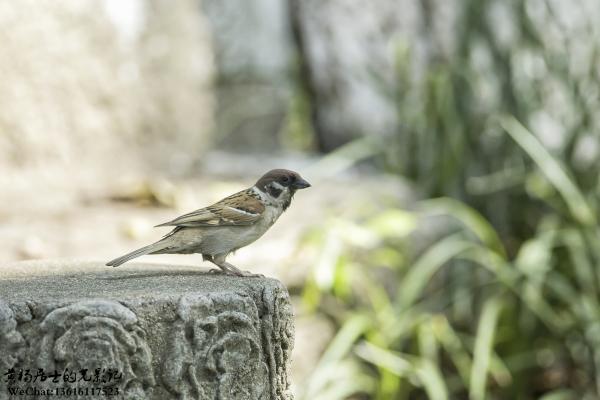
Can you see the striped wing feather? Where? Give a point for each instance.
(242, 208)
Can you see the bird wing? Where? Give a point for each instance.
(239, 209)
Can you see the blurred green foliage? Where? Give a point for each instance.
(503, 303)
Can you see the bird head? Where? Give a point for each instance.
(281, 184)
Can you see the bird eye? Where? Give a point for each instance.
(285, 179)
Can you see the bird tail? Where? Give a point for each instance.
(154, 247)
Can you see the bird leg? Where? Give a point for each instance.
(239, 272)
(221, 268)
(229, 268)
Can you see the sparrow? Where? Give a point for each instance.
(229, 224)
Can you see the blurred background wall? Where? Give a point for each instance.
(448, 248)
(87, 85)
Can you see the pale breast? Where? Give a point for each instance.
(225, 239)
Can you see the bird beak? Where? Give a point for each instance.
(300, 184)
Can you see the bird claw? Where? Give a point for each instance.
(215, 271)
(231, 270)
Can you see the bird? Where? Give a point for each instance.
(227, 225)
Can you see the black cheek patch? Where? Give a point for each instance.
(273, 191)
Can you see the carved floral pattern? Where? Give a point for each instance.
(98, 334)
(221, 345)
(11, 344)
(216, 353)
(278, 336)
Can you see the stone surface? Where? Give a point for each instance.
(172, 332)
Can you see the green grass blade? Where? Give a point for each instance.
(484, 344)
(551, 169)
(528, 292)
(425, 370)
(343, 158)
(451, 342)
(560, 394)
(339, 347)
(393, 362)
(424, 268)
(469, 217)
(345, 338)
(432, 380)
(344, 379)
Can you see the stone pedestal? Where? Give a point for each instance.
(155, 332)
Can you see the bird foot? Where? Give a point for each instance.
(215, 271)
(228, 269)
(245, 274)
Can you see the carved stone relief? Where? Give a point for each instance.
(11, 344)
(223, 345)
(214, 352)
(97, 334)
(278, 336)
